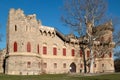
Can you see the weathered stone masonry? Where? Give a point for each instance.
(33, 49)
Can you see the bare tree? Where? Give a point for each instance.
(117, 48)
(117, 44)
(81, 15)
(117, 65)
(79, 12)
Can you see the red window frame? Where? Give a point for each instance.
(44, 50)
(88, 53)
(15, 47)
(110, 54)
(73, 52)
(80, 53)
(54, 51)
(64, 51)
(28, 47)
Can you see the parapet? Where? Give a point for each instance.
(18, 15)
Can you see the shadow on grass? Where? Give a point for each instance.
(59, 77)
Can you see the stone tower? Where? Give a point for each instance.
(21, 30)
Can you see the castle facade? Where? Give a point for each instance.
(33, 49)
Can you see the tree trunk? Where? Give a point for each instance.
(84, 60)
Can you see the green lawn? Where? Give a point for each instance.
(60, 77)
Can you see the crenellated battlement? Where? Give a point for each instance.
(18, 17)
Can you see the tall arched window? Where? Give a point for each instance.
(81, 53)
(73, 52)
(44, 50)
(28, 47)
(54, 51)
(64, 51)
(88, 53)
(15, 46)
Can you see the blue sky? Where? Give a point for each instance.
(48, 11)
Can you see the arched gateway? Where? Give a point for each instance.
(72, 67)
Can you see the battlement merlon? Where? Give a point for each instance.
(19, 16)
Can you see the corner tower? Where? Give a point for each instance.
(22, 32)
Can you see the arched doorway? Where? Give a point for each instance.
(72, 67)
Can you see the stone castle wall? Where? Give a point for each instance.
(23, 29)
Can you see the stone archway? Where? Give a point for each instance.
(73, 67)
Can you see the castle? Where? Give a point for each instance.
(33, 49)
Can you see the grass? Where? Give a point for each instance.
(60, 77)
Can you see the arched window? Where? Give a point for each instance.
(44, 50)
(64, 51)
(110, 54)
(88, 53)
(54, 51)
(28, 47)
(73, 52)
(38, 49)
(15, 46)
(80, 53)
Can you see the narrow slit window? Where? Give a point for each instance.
(15, 28)
(38, 49)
